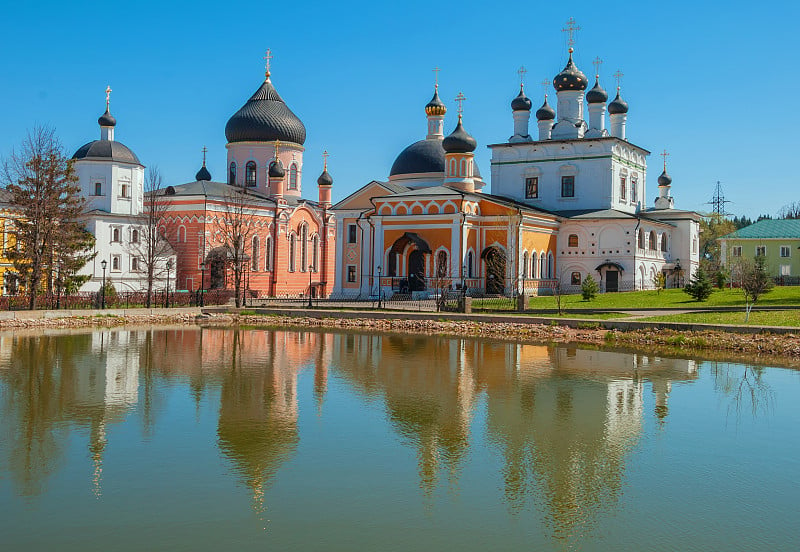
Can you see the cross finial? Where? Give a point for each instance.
(436, 77)
(521, 72)
(108, 96)
(664, 154)
(277, 147)
(545, 83)
(267, 59)
(205, 149)
(597, 63)
(618, 75)
(460, 99)
(570, 29)
(325, 155)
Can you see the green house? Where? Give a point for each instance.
(776, 240)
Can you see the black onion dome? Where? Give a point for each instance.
(276, 169)
(521, 102)
(618, 105)
(107, 120)
(597, 94)
(570, 78)
(265, 118)
(203, 174)
(325, 179)
(664, 179)
(545, 113)
(107, 150)
(436, 106)
(459, 141)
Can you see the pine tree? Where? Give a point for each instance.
(700, 287)
(589, 288)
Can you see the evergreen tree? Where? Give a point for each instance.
(44, 188)
(589, 288)
(700, 287)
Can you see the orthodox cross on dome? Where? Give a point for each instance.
(460, 99)
(570, 29)
(108, 96)
(521, 72)
(277, 147)
(267, 59)
(618, 75)
(325, 155)
(597, 63)
(436, 78)
(205, 149)
(545, 83)
(664, 154)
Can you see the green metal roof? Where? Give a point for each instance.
(766, 229)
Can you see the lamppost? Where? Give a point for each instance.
(202, 283)
(310, 268)
(464, 279)
(379, 287)
(169, 268)
(104, 264)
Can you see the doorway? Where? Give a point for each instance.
(416, 270)
(612, 281)
(495, 270)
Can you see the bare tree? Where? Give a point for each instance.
(150, 240)
(754, 282)
(790, 211)
(44, 187)
(237, 227)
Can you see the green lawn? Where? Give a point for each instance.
(669, 298)
(789, 318)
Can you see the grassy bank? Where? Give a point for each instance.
(789, 318)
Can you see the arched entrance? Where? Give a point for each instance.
(495, 261)
(416, 270)
(215, 263)
(416, 259)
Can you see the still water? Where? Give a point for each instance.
(220, 439)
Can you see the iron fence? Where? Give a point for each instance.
(120, 299)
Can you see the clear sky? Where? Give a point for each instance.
(716, 84)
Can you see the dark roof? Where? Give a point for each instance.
(203, 174)
(597, 94)
(107, 120)
(570, 78)
(107, 150)
(664, 179)
(276, 169)
(459, 141)
(521, 102)
(435, 106)
(425, 156)
(209, 189)
(618, 105)
(265, 118)
(545, 113)
(325, 179)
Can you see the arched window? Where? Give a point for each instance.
(268, 254)
(250, 174)
(542, 265)
(550, 267)
(470, 264)
(651, 241)
(452, 167)
(254, 261)
(441, 264)
(664, 242)
(315, 252)
(134, 236)
(640, 239)
(232, 174)
(304, 248)
(463, 168)
(573, 240)
(181, 234)
(115, 235)
(533, 264)
(293, 177)
(524, 264)
(292, 252)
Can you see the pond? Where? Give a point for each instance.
(223, 439)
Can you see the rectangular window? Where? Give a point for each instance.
(115, 263)
(785, 251)
(623, 185)
(351, 233)
(786, 270)
(134, 264)
(351, 273)
(124, 190)
(567, 186)
(98, 188)
(634, 186)
(736, 251)
(532, 187)
(576, 278)
(761, 251)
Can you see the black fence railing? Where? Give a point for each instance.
(120, 299)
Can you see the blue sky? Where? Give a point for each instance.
(716, 84)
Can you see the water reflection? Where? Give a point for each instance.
(562, 420)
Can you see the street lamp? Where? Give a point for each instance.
(464, 279)
(379, 287)
(104, 264)
(169, 267)
(310, 268)
(202, 284)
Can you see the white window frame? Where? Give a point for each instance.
(788, 250)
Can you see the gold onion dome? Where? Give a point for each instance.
(435, 106)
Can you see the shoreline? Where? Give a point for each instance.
(758, 347)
